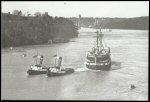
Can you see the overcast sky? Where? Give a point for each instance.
(85, 8)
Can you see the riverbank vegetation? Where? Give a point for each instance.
(18, 29)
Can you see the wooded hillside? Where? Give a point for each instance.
(139, 23)
(19, 30)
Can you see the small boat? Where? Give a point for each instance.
(99, 56)
(132, 86)
(38, 68)
(54, 72)
(57, 69)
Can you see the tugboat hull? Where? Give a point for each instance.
(60, 73)
(36, 72)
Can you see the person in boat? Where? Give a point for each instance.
(93, 51)
(96, 51)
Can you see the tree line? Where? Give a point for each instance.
(139, 23)
(17, 29)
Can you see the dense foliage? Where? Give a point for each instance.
(19, 30)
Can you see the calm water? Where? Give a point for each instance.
(129, 52)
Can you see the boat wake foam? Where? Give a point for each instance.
(115, 65)
(81, 69)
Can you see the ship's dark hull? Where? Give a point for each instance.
(101, 62)
(36, 72)
(64, 72)
(99, 67)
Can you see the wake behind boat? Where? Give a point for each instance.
(99, 56)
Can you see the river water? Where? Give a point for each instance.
(129, 53)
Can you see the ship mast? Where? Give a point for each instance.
(101, 45)
(36, 57)
(99, 36)
(97, 39)
(96, 24)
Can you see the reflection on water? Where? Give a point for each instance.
(129, 54)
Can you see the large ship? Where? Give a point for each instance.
(98, 58)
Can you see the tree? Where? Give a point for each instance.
(37, 14)
(15, 12)
(28, 14)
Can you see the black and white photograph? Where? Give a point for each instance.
(75, 50)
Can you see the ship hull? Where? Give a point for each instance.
(60, 73)
(36, 72)
(97, 66)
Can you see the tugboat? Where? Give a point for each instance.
(57, 69)
(38, 68)
(99, 56)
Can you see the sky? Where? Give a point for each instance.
(121, 9)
